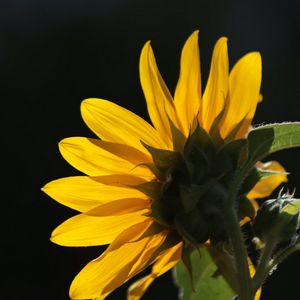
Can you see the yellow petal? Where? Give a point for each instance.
(84, 230)
(159, 100)
(84, 193)
(187, 96)
(95, 158)
(113, 268)
(267, 185)
(244, 86)
(114, 123)
(139, 287)
(216, 89)
(165, 261)
(120, 207)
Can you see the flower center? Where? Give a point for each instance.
(193, 193)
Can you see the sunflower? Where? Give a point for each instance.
(150, 191)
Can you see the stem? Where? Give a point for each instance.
(236, 237)
(240, 254)
(264, 265)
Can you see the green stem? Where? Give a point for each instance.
(264, 265)
(240, 254)
(236, 237)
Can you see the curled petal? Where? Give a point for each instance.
(268, 184)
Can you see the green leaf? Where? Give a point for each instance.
(268, 139)
(209, 284)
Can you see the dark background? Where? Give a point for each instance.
(54, 54)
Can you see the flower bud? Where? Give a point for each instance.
(277, 219)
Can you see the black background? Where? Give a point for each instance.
(54, 54)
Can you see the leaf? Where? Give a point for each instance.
(209, 284)
(268, 139)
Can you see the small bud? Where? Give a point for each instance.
(278, 219)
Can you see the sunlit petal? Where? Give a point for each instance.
(217, 85)
(114, 123)
(95, 158)
(244, 87)
(187, 96)
(159, 100)
(85, 230)
(165, 261)
(115, 267)
(84, 193)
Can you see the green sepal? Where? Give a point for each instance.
(164, 159)
(150, 189)
(199, 153)
(264, 140)
(161, 213)
(250, 181)
(192, 227)
(178, 137)
(201, 138)
(230, 156)
(191, 195)
(214, 131)
(209, 284)
(153, 169)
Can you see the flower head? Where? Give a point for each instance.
(149, 191)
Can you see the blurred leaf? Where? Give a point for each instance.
(208, 282)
